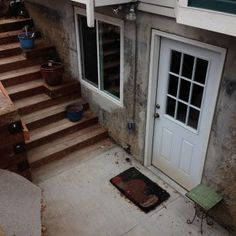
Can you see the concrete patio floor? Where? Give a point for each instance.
(80, 201)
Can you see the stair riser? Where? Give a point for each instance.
(8, 39)
(26, 93)
(21, 79)
(10, 52)
(74, 88)
(19, 64)
(63, 153)
(67, 131)
(50, 119)
(44, 104)
(41, 52)
(15, 26)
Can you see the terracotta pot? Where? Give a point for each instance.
(52, 72)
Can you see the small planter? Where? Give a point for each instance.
(27, 40)
(74, 112)
(52, 72)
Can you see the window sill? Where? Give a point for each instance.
(103, 95)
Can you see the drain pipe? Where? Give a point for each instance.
(131, 123)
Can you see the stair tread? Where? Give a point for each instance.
(54, 127)
(25, 86)
(9, 46)
(12, 20)
(46, 112)
(64, 142)
(19, 72)
(31, 100)
(12, 59)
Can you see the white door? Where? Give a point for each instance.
(186, 95)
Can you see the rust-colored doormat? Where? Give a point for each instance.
(143, 192)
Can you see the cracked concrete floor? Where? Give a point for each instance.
(80, 201)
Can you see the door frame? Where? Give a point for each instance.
(152, 90)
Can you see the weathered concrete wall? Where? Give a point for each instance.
(56, 21)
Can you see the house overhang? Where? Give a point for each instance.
(91, 4)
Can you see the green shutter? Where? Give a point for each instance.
(228, 6)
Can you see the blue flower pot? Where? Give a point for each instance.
(26, 41)
(74, 112)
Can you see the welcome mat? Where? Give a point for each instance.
(143, 192)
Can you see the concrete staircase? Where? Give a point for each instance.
(42, 107)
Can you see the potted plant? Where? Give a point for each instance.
(74, 111)
(52, 72)
(27, 39)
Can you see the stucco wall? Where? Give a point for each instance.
(56, 21)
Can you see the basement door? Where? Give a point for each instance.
(186, 95)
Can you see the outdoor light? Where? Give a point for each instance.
(131, 16)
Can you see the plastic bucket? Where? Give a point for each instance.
(26, 42)
(74, 112)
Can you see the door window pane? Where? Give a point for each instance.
(175, 61)
(188, 66)
(109, 51)
(201, 70)
(184, 90)
(197, 95)
(193, 118)
(182, 112)
(89, 52)
(173, 85)
(170, 106)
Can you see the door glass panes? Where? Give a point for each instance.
(173, 85)
(184, 90)
(201, 70)
(187, 66)
(186, 85)
(175, 62)
(109, 51)
(170, 109)
(89, 52)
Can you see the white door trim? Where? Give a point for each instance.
(153, 83)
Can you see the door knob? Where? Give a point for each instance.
(158, 106)
(156, 115)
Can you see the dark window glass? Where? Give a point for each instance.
(175, 61)
(182, 112)
(89, 51)
(201, 70)
(193, 118)
(188, 66)
(184, 90)
(109, 41)
(173, 85)
(197, 95)
(170, 107)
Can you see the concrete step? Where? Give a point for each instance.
(26, 89)
(14, 24)
(21, 75)
(60, 128)
(17, 62)
(62, 146)
(49, 115)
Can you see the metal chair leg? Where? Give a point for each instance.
(194, 217)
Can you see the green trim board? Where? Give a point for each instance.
(228, 6)
(204, 196)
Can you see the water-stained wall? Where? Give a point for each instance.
(56, 21)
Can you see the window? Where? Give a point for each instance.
(101, 55)
(228, 6)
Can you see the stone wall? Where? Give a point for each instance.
(57, 22)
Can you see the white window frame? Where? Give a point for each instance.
(112, 21)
